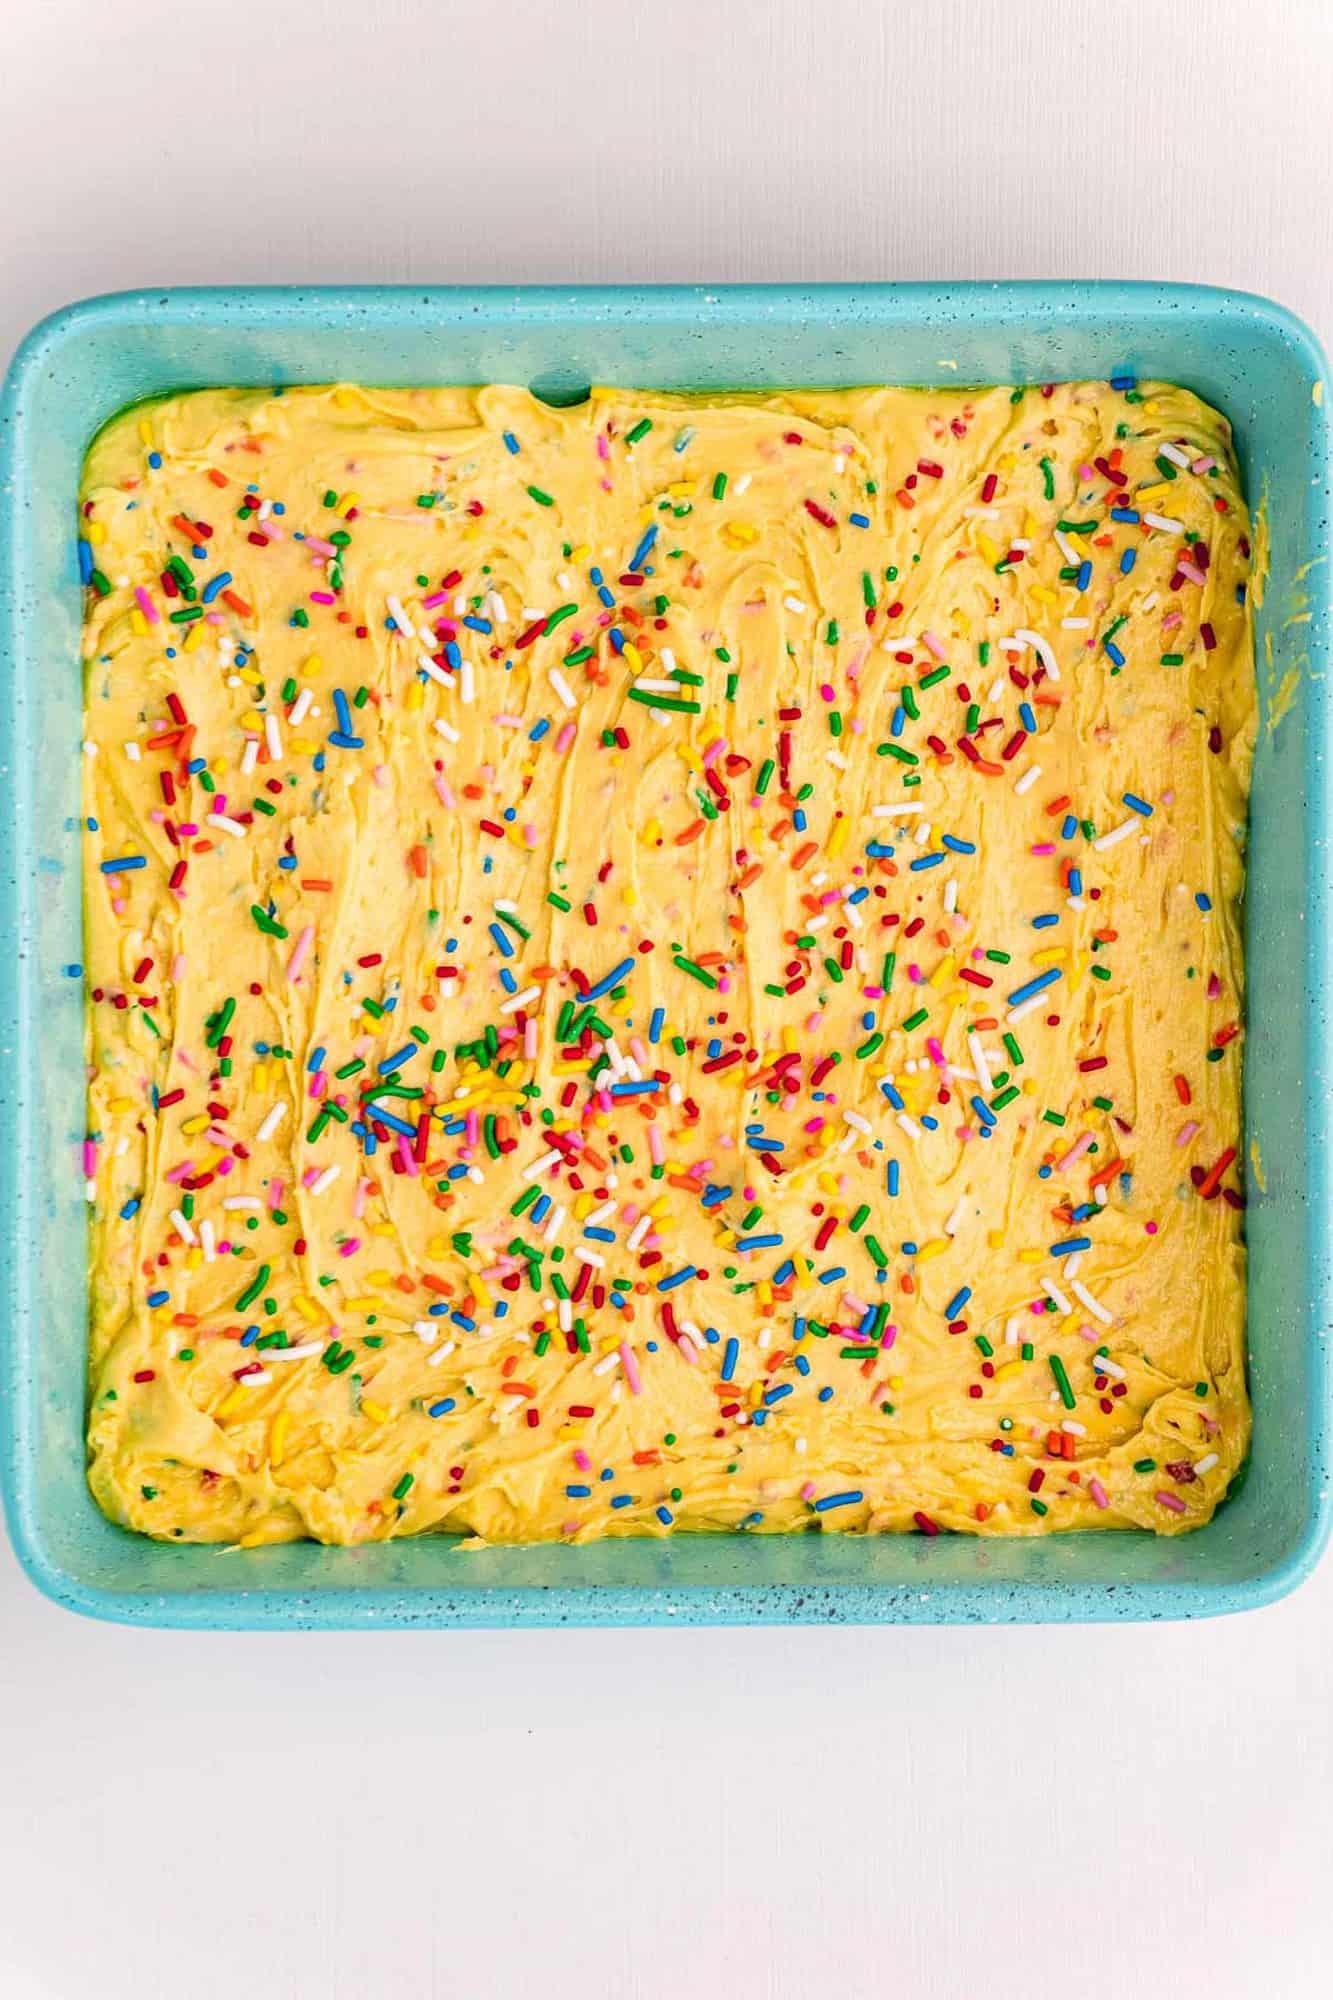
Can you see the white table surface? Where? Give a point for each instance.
(910, 1814)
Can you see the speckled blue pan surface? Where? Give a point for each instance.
(1252, 359)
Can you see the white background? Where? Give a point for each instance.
(915, 1815)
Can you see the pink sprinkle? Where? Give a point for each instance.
(1169, 1500)
(350, 1247)
(427, 603)
(1097, 1493)
(631, 1368)
(300, 953)
(310, 1176)
(887, 1338)
(582, 1460)
(444, 792)
(564, 739)
(1187, 1131)
(147, 606)
(715, 749)
(1044, 847)
(319, 1083)
(509, 721)
(809, 1490)
(1076, 1152)
(405, 1155)
(275, 1193)
(603, 448)
(530, 1038)
(179, 1173)
(929, 640)
(322, 597)
(89, 1159)
(655, 1150)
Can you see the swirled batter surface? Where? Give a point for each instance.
(666, 965)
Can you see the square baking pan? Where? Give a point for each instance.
(1247, 356)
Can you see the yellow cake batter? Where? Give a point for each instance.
(875, 762)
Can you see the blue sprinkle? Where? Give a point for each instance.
(622, 1499)
(397, 1059)
(1124, 513)
(983, 1111)
(1068, 827)
(538, 730)
(1123, 381)
(1128, 560)
(511, 443)
(125, 864)
(1084, 577)
(893, 1095)
(776, 1395)
(612, 978)
(892, 1177)
(643, 1089)
(832, 1275)
(1027, 718)
(770, 1242)
(578, 1492)
(730, 1356)
(852, 1499)
(676, 1278)
(1037, 985)
(1070, 1245)
(1076, 881)
(798, 819)
(442, 1408)
(86, 563)
(158, 1298)
(507, 980)
(644, 549)
(131, 1207)
(958, 1301)
(859, 520)
(925, 861)
(826, 1395)
(1136, 804)
(1114, 652)
(657, 1017)
(600, 1235)
(1044, 922)
(786, 1269)
(1203, 902)
(214, 585)
(315, 1061)
(957, 846)
(502, 944)
(475, 624)
(664, 1514)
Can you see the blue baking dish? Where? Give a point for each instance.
(76, 369)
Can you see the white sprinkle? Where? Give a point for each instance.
(1075, 624)
(1013, 1329)
(1206, 1463)
(562, 687)
(955, 1221)
(517, 1000)
(301, 1352)
(1071, 1429)
(599, 1215)
(836, 758)
(1027, 780)
(1042, 648)
(1028, 1006)
(273, 737)
(539, 1166)
(440, 1353)
(249, 756)
(639, 1231)
(242, 1201)
(132, 751)
(325, 1179)
(951, 895)
(1052, 1291)
(300, 708)
(554, 1223)
(1103, 1365)
(979, 1062)
(446, 730)
(1093, 1305)
(426, 1330)
(1174, 453)
(1071, 555)
(909, 1125)
(793, 604)
(467, 680)
(495, 604)
(1118, 833)
(400, 617)
(257, 1380)
(183, 1228)
(207, 1239)
(1165, 523)
(434, 670)
(858, 1123)
(227, 824)
(271, 1123)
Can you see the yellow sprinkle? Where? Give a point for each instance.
(995, 1239)
(1007, 1371)
(416, 696)
(301, 746)
(1145, 495)
(277, 1436)
(364, 1305)
(375, 1411)
(581, 553)
(346, 504)
(138, 623)
(145, 431)
(199, 1123)
(307, 1308)
(837, 839)
(935, 1248)
(633, 657)
(1030, 1256)
(944, 970)
(1041, 594)
(565, 1432)
(120, 1104)
(987, 547)
(740, 534)
(232, 1404)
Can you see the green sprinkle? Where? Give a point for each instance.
(719, 485)
(640, 430)
(695, 971)
(915, 1020)
(542, 499)
(1067, 1396)
(404, 1487)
